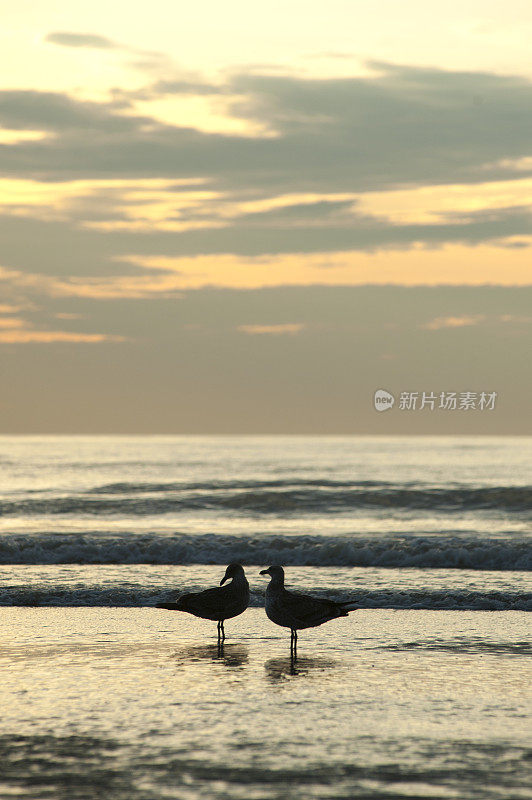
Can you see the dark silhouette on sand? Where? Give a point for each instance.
(297, 611)
(219, 603)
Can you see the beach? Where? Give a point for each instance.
(137, 703)
(422, 691)
(265, 419)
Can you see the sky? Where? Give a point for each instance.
(245, 218)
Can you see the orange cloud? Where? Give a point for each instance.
(9, 136)
(286, 328)
(15, 330)
(451, 265)
(453, 322)
(11, 322)
(430, 204)
(468, 320)
(15, 336)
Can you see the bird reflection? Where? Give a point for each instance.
(279, 668)
(231, 655)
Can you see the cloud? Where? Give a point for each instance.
(13, 136)
(11, 322)
(489, 215)
(321, 380)
(71, 120)
(63, 250)
(15, 336)
(119, 245)
(516, 319)
(399, 126)
(290, 328)
(67, 39)
(453, 322)
(280, 233)
(145, 60)
(469, 320)
(177, 86)
(16, 330)
(304, 213)
(108, 263)
(34, 320)
(147, 195)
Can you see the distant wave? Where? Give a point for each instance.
(444, 599)
(270, 497)
(443, 552)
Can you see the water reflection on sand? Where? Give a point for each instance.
(278, 669)
(231, 655)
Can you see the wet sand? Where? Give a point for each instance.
(138, 703)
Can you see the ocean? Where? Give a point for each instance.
(423, 691)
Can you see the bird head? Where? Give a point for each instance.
(233, 571)
(275, 572)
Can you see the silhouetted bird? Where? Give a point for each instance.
(297, 611)
(220, 603)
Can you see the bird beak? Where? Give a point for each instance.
(224, 579)
(264, 572)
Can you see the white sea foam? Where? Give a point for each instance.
(460, 552)
(137, 596)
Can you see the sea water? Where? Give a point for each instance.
(422, 692)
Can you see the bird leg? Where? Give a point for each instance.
(221, 637)
(293, 644)
(221, 631)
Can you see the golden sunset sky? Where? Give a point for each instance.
(244, 218)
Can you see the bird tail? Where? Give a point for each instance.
(349, 605)
(170, 606)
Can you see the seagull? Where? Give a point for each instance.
(218, 603)
(296, 611)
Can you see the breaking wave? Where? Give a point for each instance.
(439, 552)
(137, 596)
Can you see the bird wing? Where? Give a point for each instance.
(210, 601)
(220, 602)
(308, 610)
